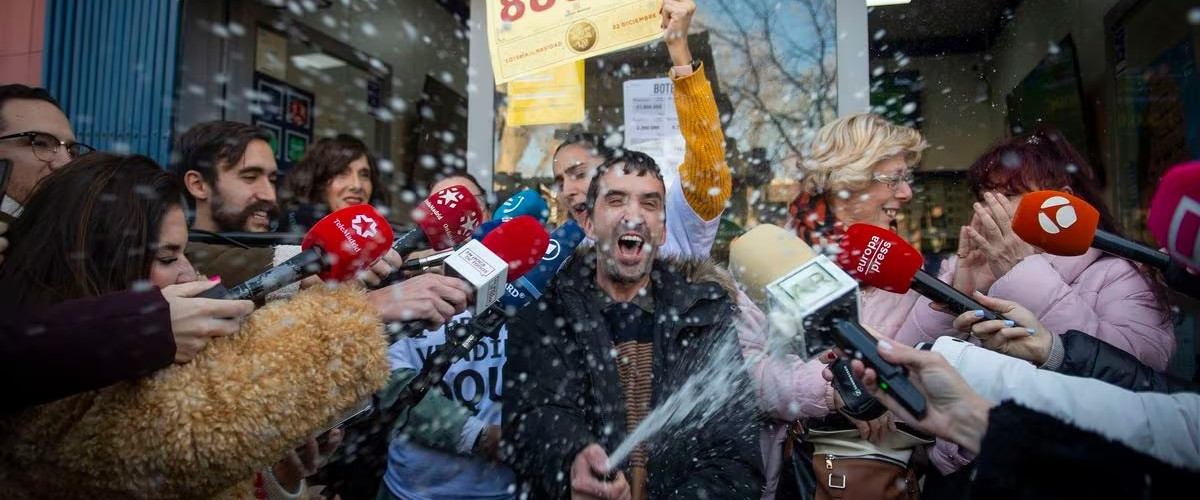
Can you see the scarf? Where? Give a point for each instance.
(814, 223)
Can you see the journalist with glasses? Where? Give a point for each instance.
(36, 137)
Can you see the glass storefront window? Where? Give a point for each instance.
(773, 70)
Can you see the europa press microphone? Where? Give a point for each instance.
(880, 258)
(519, 293)
(1063, 224)
(336, 248)
(794, 281)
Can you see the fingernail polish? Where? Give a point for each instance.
(1009, 323)
(978, 314)
(883, 344)
(830, 355)
(1031, 331)
(215, 278)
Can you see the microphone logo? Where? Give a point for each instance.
(1054, 221)
(366, 227)
(449, 198)
(513, 207)
(552, 250)
(1183, 239)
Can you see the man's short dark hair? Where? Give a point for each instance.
(593, 142)
(630, 162)
(18, 91)
(207, 144)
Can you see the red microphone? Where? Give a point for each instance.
(505, 254)
(1057, 222)
(880, 258)
(1174, 217)
(444, 219)
(336, 248)
(1062, 224)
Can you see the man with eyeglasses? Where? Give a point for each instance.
(36, 137)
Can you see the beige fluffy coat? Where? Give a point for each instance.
(197, 430)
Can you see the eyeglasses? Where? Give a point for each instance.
(893, 181)
(45, 146)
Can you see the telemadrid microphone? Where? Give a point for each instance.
(336, 248)
(811, 291)
(526, 202)
(444, 219)
(519, 293)
(880, 258)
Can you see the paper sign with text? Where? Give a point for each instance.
(529, 36)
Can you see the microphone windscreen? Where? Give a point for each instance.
(448, 217)
(527, 202)
(1057, 222)
(764, 254)
(878, 257)
(521, 242)
(352, 238)
(1174, 217)
(563, 242)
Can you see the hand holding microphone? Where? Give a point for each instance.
(806, 288)
(336, 248)
(955, 412)
(1031, 342)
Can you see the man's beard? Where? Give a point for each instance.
(228, 220)
(618, 275)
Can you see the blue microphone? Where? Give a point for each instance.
(485, 228)
(529, 287)
(527, 202)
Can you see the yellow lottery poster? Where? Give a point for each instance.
(530, 36)
(552, 96)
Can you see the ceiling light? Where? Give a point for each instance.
(881, 3)
(318, 61)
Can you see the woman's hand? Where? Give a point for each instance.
(294, 467)
(1021, 336)
(971, 271)
(1004, 249)
(954, 411)
(196, 321)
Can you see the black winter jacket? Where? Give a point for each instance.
(1090, 357)
(1031, 455)
(562, 391)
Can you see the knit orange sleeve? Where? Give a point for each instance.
(704, 167)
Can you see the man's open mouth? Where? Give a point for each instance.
(630, 246)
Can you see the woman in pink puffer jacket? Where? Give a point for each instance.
(1094, 292)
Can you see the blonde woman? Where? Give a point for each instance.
(858, 169)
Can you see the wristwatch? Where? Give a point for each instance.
(677, 72)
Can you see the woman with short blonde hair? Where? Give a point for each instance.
(856, 170)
